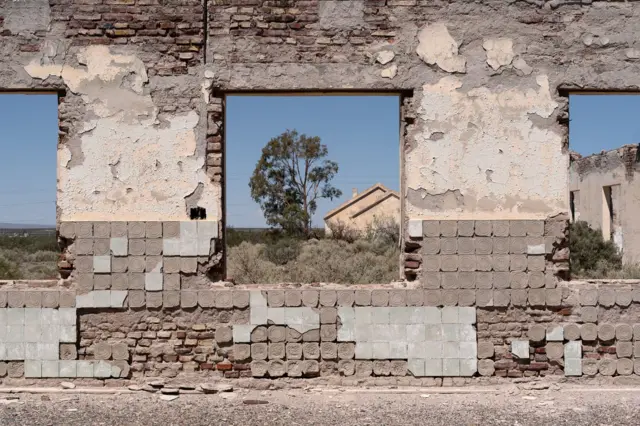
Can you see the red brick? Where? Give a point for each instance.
(231, 374)
(224, 366)
(607, 349)
(181, 334)
(240, 367)
(206, 366)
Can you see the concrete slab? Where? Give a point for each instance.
(468, 367)
(171, 246)
(119, 246)
(573, 367)
(102, 298)
(451, 350)
(84, 300)
(414, 228)
(32, 369)
(555, 334)
(153, 281)
(416, 332)
(362, 315)
(258, 315)
(84, 368)
(398, 350)
(450, 315)
(15, 316)
(49, 351)
(117, 298)
(433, 368)
(451, 367)
(451, 332)
(573, 350)
(380, 350)
(257, 299)
(364, 350)
(418, 350)
(102, 264)
(520, 348)
(467, 315)
(242, 333)
(67, 368)
(433, 332)
(416, 367)
(101, 369)
(50, 369)
(14, 333)
(432, 315)
(468, 350)
(380, 315)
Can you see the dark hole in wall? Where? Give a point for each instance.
(198, 213)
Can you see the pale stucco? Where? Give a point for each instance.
(479, 154)
(126, 162)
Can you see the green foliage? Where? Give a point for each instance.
(591, 255)
(289, 178)
(30, 243)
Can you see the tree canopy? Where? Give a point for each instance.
(292, 174)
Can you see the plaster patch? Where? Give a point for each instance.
(437, 47)
(486, 132)
(158, 165)
(389, 72)
(385, 56)
(499, 52)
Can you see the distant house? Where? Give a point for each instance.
(361, 210)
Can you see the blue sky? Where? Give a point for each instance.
(360, 132)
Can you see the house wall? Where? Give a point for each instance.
(387, 209)
(142, 89)
(617, 169)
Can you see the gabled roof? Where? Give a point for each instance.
(364, 194)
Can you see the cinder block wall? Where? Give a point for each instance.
(391, 334)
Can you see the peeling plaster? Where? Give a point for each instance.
(389, 72)
(499, 52)
(157, 165)
(437, 47)
(490, 149)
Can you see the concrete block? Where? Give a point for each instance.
(364, 350)
(606, 332)
(520, 349)
(102, 298)
(451, 350)
(50, 369)
(624, 367)
(467, 315)
(153, 281)
(102, 281)
(416, 367)
(379, 298)
(328, 298)
(67, 368)
(467, 333)
(170, 229)
(398, 350)
(450, 332)
(68, 334)
(119, 246)
(380, 350)
(606, 297)
(171, 246)
(431, 228)
(117, 298)
(450, 315)
(573, 367)
(450, 367)
(32, 369)
(448, 246)
(153, 229)
(589, 314)
(204, 246)
(416, 332)
(433, 332)
(84, 368)
(624, 332)
(414, 228)
(468, 367)
(345, 297)
(101, 369)
(624, 297)
(293, 298)
(433, 368)
(15, 351)
(153, 247)
(102, 264)
(573, 349)
(555, 333)
(589, 332)
(207, 229)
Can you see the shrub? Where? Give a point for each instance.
(282, 251)
(9, 270)
(338, 230)
(591, 255)
(246, 265)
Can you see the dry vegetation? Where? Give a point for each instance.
(344, 256)
(31, 257)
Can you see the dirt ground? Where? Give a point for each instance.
(506, 405)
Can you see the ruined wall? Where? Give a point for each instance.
(415, 334)
(141, 85)
(616, 168)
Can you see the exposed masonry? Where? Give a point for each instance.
(578, 329)
(487, 254)
(484, 167)
(138, 255)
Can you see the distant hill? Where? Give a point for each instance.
(24, 226)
